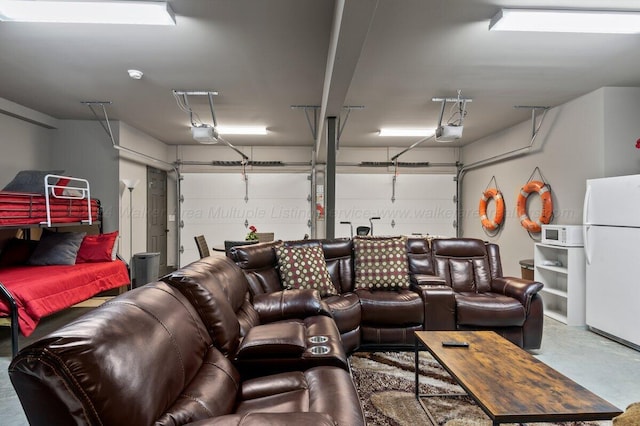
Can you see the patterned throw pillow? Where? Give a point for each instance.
(304, 267)
(381, 263)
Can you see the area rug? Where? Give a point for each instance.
(385, 384)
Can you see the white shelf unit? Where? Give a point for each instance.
(563, 294)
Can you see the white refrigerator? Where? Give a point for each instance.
(612, 251)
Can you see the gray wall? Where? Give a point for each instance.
(134, 166)
(24, 146)
(83, 149)
(589, 137)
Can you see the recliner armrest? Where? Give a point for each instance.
(261, 419)
(287, 304)
(518, 288)
(283, 339)
(439, 305)
(425, 279)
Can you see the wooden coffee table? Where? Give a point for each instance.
(508, 383)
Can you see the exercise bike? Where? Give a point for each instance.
(362, 230)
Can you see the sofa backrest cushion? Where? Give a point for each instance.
(381, 263)
(259, 264)
(338, 253)
(419, 256)
(125, 362)
(493, 251)
(463, 263)
(216, 287)
(212, 393)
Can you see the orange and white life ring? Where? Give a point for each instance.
(547, 205)
(495, 195)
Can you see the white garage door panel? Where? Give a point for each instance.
(195, 185)
(214, 206)
(425, 186)
(423, 204)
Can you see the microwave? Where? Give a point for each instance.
(562, 235)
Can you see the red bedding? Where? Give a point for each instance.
(17, 208)
(42, 290)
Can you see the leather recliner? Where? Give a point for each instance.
(146, 358)
(484, 299)
(268, 333)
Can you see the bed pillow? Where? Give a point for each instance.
(57, 248)
(30, 181)
(17, 251)
(97, 248)
(381, 263)
(304, 267)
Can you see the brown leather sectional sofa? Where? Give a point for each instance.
(219, 342)
(456, 283)
(191, 350)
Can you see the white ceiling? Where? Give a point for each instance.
(263, 56)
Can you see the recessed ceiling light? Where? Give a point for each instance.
(567, 21)
(242, 130)
(405, 132)
(88, 12)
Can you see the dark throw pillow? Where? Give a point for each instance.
(57, 248)
(30, 181)
(17, 251)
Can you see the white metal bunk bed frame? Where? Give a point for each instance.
(80, 191)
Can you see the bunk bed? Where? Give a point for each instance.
(31, 291)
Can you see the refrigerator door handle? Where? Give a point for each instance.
(585, 237)
(585, 223)
(585, 207)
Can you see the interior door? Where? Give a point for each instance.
(157, 215)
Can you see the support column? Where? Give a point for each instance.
(330, 176)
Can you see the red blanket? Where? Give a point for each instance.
(17, 208)
(42, 290)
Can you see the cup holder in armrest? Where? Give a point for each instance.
(319, 350)
(318, 339)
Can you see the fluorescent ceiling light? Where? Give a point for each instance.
(406, 132)
(567, 21)
(242, 130)
(83, 12)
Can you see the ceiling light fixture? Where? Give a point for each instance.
(406, 132)
(85, 12)
(567, 21)
(242, 130)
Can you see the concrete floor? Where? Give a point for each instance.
(603, 366)
(607, 368)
